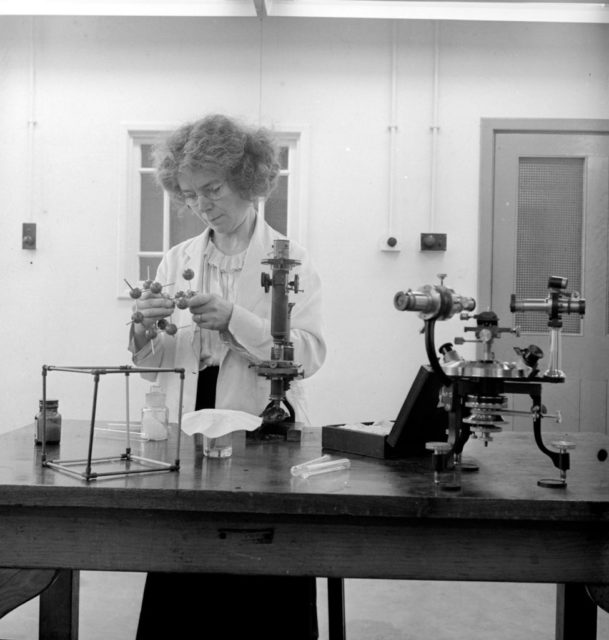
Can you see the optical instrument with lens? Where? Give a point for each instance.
(474, 392)
(278, 418)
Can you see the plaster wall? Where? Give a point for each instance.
(81, 79)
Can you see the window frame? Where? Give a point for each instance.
(134, 135)
(295, 138)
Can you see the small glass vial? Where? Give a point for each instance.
(53, 422)
(445, 471)
(221, 447)
(155, 415)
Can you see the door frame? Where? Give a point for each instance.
(489, 129)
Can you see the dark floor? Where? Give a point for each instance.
(376, 610)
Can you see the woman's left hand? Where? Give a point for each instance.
(210, 311)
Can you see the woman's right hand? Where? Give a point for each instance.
(151, 307)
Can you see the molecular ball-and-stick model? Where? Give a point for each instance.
(179, 299)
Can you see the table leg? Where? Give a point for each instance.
(575, 613)
(59, 608)
(336, 609)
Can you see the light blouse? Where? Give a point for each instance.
(220, 276)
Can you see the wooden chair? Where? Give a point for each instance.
(17, 586)
(20, 585)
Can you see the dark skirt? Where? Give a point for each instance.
(228, 607)
(209, 605)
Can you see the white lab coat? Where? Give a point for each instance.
(239, 386)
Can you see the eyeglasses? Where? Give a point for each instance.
(213, 191)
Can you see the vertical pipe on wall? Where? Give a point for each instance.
(260, 51)
(31, 119)
(261, 201)
(393, 129)
(435, 128)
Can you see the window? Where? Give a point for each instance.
(151, 222)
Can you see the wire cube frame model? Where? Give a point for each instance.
(142, 465)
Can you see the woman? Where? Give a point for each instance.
(219, 169)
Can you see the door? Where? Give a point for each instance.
(550, 218)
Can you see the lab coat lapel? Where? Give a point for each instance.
(193, 258)
(249, 289)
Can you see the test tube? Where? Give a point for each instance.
(296, 469)
(325, 467)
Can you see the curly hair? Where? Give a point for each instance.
(247, 156)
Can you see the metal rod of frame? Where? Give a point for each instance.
(150, 465)
(179, 436)
(64, 466)
(127, 413)
(75, 461)
(63, 469)
(92, 429)
(44, 414)
(151, 461)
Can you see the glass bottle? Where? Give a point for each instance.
(155, 415)
(53, 422)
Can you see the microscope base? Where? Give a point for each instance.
(469, 466)
(552, 483)
(275, 431)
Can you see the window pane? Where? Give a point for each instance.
(284, 155)
(183, 224)
(276, 207)
(148, 267)
(146, 155)
(151, 214)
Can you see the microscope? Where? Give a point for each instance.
(474, 392)
(278, 417)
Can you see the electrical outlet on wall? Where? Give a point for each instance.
(28, 236)
(389, 243)
(433, 242)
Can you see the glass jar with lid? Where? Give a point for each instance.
(53, 422)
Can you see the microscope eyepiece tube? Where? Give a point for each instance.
(573, 306)
(433, 302)
(544, 305)
(415, 301)
(548, 305)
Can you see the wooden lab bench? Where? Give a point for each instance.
(381, 519)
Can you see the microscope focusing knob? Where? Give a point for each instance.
(532, 354)
(295, 284)
(266, 281)
(557, 282)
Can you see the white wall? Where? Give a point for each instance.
(92, 74)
